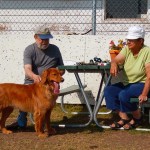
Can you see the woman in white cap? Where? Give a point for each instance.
(135, 59)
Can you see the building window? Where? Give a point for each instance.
(126, 9)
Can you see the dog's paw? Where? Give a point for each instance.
(5, 131)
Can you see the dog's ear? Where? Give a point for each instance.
(62, 72)
(44, 76)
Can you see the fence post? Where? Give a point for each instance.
(94, 17)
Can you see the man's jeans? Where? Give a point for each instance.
(22, 119)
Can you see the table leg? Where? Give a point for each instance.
(85, 98)
(99, 102)
(100, 89)
(104, 78)
(90, 113)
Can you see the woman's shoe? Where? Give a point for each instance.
(130, 125)
(118, 125)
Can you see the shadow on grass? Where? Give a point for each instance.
(102, 119)
(59, 117)
(65, 119)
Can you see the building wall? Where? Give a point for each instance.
(77, 48)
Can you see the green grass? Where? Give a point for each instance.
(59, 117)
(90, 137)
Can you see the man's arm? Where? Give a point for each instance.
(30, 74)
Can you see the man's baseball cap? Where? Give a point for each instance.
(135, 32)
(43, 32)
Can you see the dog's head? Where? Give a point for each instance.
(52, 77)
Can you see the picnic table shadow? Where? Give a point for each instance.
(76, 119)
(91, 128)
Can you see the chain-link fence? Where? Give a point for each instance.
(118, 15)
(74, 16)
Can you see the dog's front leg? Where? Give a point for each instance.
(5, 114)
(39, 122)
(50, 130)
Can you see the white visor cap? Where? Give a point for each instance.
(135, 32)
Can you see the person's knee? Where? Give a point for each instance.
(121, 96)
(23, 114)
(109, 96)
(107, 90)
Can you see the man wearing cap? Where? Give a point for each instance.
(38, 57)
(135, 59)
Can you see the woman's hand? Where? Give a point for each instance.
(114, 69)
(118, 60)
(142, 98)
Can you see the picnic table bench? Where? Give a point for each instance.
(69, 90)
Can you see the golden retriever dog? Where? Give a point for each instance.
(37, 98)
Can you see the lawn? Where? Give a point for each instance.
(83, 138)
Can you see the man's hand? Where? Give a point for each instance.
(30, 74)
(36, 78)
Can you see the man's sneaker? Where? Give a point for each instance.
(14, 126)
